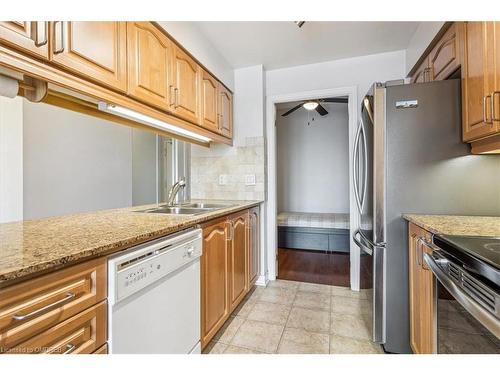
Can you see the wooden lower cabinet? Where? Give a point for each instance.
(102, 350)
(225, 271)
(253, 245)
(214, 279)
(238, 258)
(421, 293)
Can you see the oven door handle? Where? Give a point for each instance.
(484, 317)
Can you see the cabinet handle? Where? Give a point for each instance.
(172, 95)
(493, 111)
(70, 348)
(230, 231)
(39, 34)
(485, 104)
(58, 37)
(419, 246)
(69, 296)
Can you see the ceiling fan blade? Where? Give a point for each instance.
(335, 100)
(291, 110)
(321, 110)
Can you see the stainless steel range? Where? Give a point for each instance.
(467, 302)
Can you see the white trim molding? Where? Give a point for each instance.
(271, 203)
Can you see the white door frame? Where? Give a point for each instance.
(271, 204)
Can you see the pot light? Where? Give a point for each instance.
(310, 105)
(139, 117)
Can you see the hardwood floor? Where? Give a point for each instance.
(321, 268)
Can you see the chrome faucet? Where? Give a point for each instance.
(174, 190)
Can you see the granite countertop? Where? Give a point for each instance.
(457, 225)
(33, 246)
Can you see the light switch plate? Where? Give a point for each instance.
(223, 179)
(249, 179)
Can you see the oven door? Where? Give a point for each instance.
(463, 323)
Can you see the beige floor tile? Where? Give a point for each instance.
(299, 341)
(312, 300)
(464, 343)
(347, 292)
(269, 312)
(278, 295)
(259, 336)
(315, 288)
(244, 308)
(285, 284)
(351, 306)
(309, 320)
(344, 345)
(351, 326)
(228, 330)
(231, 349)
(215, 347)
(255, 293)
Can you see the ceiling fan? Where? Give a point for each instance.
(315, 104)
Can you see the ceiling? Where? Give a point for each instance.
(282, 44)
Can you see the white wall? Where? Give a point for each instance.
(74, 163)
(424, 34)
(361, 72)
(193, 40)
(144, 162)
(313, 160)
(11, 159)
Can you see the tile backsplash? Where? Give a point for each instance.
(234, 164)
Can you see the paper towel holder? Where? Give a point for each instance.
(35, 90)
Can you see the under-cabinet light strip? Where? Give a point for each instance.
(136, 116)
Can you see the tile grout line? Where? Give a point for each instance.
(286, 322)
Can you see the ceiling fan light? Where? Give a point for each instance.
(310, 105)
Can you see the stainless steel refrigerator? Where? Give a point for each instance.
(409, 158)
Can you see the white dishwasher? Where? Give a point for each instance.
(154, 297)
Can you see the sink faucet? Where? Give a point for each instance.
(174, 190)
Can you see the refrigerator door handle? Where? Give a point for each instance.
(365, 166)
(355, 169)
(360, 244)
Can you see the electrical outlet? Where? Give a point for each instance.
(223, 179)
(249, 179)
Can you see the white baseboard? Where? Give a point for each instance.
(261, 281)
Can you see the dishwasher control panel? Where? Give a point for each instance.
(138, 269)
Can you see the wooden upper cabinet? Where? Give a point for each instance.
(422, 73)
(95, 50)
(187, 81)
(444, 59)
(480, 80)
(421, 293)
(149, 65)
(253, 245)
(225, 111)
(209, 115)
(214, 280)
(238, 266)
(29, 37)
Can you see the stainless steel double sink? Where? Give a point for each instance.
(191, 208)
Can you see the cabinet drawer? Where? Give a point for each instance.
(81, 334)
(31, 307)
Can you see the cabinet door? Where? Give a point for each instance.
(214, 280)
(225, 111)
(28, 37)
(254, 248)
(238, 267)
(209, 116)
(187, 78)
(444, 58)
(421, 293)
(422, 73)
(95, 50)
(478, 79)
(149, 65)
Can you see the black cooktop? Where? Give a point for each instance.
(477, 254)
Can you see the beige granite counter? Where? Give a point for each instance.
(457, 225)
(33, 246)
